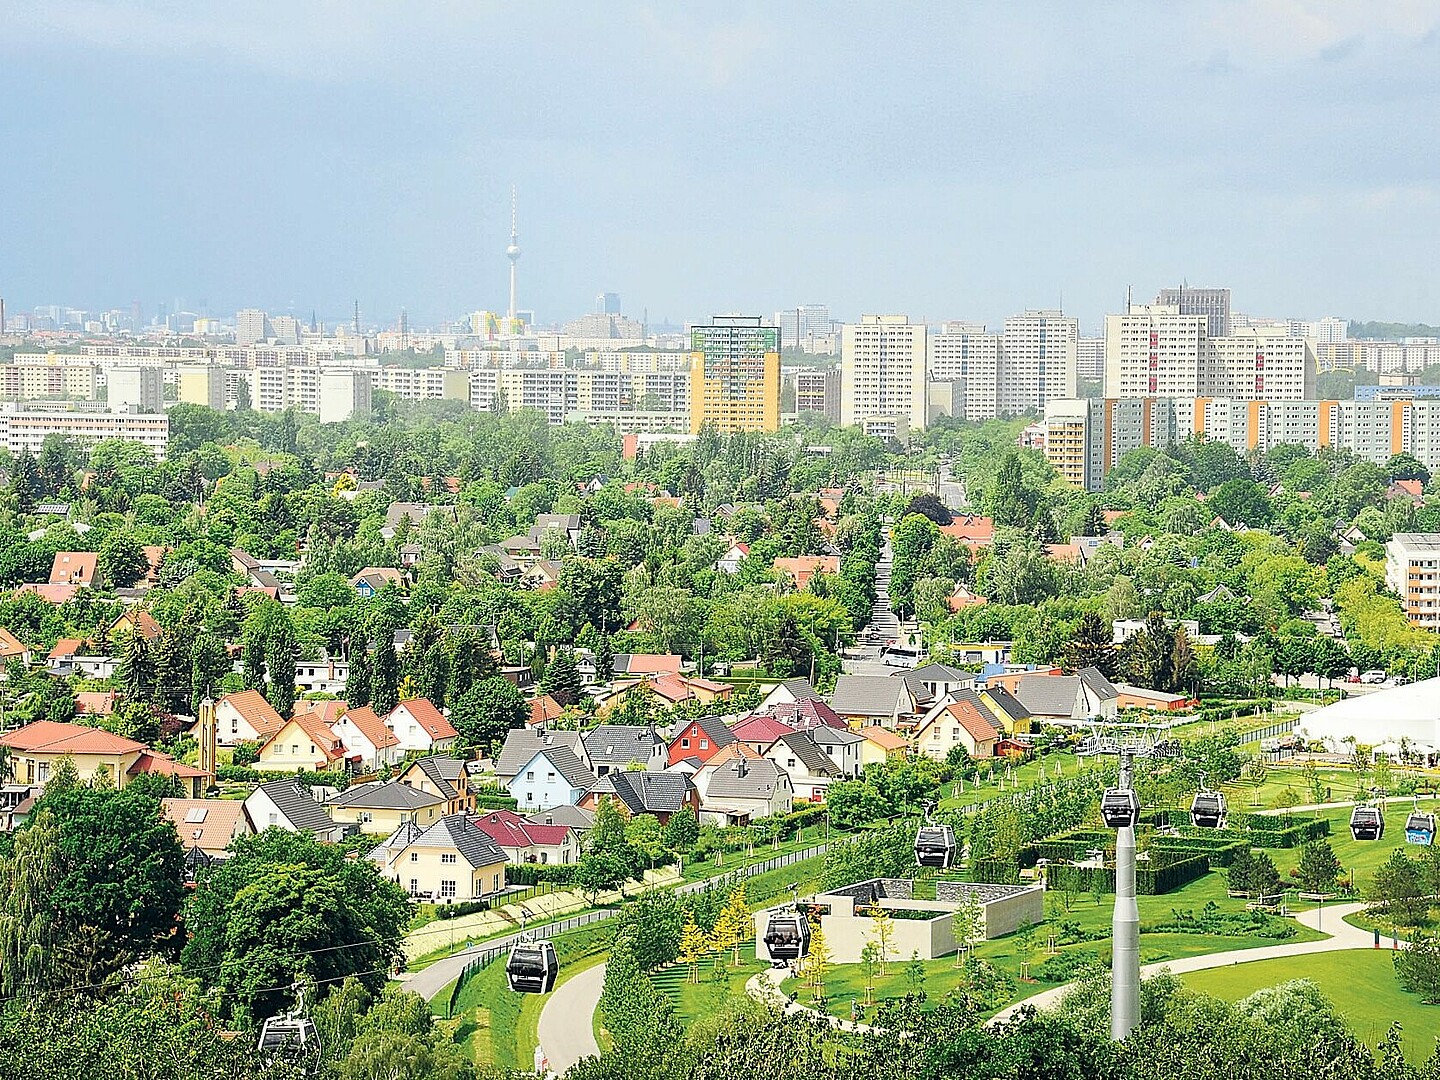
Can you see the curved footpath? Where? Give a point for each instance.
(567, 1025)
(765, 986)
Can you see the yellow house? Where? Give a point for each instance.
(1005, 708)
(452, 861)
(98, 757)
(383, 807)
(303, 744)
(442, 776)
(881, 744)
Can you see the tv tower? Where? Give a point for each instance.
(513, 251)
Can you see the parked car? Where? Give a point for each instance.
(1374, 677)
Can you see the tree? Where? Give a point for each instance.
(735, 926)
(681, 831)
(816, 963)
(1092, 646)
(122, 561)
(915, 972)
(281, 652)
(487, 711)
(870, 969)
(1241, 501)
(694, 945)
(357, 683)
(1406, 466)
(655, 923)
(283, 906)
(854, 803)
(882, 928)
(562, 679)
(969, 922)
(135, 673)
(385, 675)
(1398, 889)
(209, 663)
(1319, 867)
(1418, 968)
(29, 875)
(1010, 503)
(642, 833)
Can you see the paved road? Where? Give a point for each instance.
(567, 1032)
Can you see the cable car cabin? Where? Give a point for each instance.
(935, 846)
(1120, 807)
(531, 967)
(787, 935)
(1367, 823)
(1208, 810)
(1420, 829)
(289, 1038)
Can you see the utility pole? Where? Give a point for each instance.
(1125, 927)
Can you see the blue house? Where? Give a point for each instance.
(553, 776)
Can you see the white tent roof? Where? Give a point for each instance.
(1402, 712)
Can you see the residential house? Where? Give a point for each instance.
(304, 744)
(956, 723)
(572, 817)
(373, 579)
(11, 648)
(207, 824)
(452, 861)
(543, 576)
(701, 738)
(872, 699)
(759, 732)
(658, 793)
(675, 689)
(882, 745)
(524, 841)
(1005, 709)
(552, 776)
(367, 737)
(810, 769)
(1068, 700)
(640, 664)
(138, 622)
(1138, 697)
(99, 757)
(322, 676)
(975, 531)
(930, 682)
(808, 714)
(79, 568)
(964, 597)
(800, 569)
(842, 746)
(521, 744)
(1122, 630)
(421, 727)
(95, 702)
(788, 691)
(613, 747)
(51, 594)
(410, 555)
(290, 805)
(738, 786)
(735, 554)
(383, 806)
(443, 776)
(415, 512)
(245, 717)
(544, 710)
(567, 525)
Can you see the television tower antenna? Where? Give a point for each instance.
(357, 318)
(513, 251)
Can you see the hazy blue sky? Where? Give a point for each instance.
(949, 160)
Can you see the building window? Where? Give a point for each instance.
(414, 886)
(684, 744)
(414, 856)
(530, 775)
(447, 890)
(447, 857)
(704, 744)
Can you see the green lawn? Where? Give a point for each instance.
(693, 1001)
(1026, 775)
(1360, 982)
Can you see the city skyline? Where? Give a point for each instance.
(371, 157)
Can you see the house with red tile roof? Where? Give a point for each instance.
(95, 702)
(800, 569)
(734, 555)
(98, 756)
(759, 732)
(207, 824)
(366, 736)
(11, 648)
(51, 594)
(959, 723)
(526, 842)
(245, 717)
(807, 713)
(136, 621)
(80, 568)
(972, 530)
(304, 744)
(543, 710)
(963, 598)
(421, 727)
(645, 664)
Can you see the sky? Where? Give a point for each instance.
(945, 160)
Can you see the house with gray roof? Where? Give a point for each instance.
(1068, 700)
(810, 769)
(553, 776)
(843, 746)
(743, 789)
(790, 690)
(930, 682)
(382, 807)
(521, 744)
(657, 793)
(872, 699)
(452, 861)
(290, 805)
(613, 747)
(573, 817)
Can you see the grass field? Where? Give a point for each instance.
(1361, 983)
(716, 987)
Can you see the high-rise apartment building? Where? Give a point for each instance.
(882, 370)
(735, 374)
(1154, 350)
(806, 323)
(817, 390)
(1412, 570)
(1213, 304)
(135, 388)
(1090, 358)
(251, 326)
(1037, 360)
(963, 352)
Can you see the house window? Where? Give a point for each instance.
(447, 890)
(544, 857)
(414, 886)
(414, 856)
(447, 857)
(497, 883)
(234, 727)
(549, 776)
(530, 775)
(295, 749)
(42, 771)
(684, 744)
(274, 819)
(704, 744)
(312, 747)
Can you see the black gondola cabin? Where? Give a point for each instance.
(531, 967)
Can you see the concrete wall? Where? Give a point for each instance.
(1006, 908)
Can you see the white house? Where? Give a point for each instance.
(289, 805)
(365, 734)
(420, 727)
(735, 788)
(734, 555)
(245, 717)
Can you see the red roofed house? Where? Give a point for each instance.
(75, 568)
(245, 717)
(957, 724)
(972, 530)
(808, 713)
(701, 738)
(543, 710)
(759, 733)
(421, 727)
(95, 702)
(207, 824)
(803, 567)
(962, 597)
(623, 664)
(734, 555)
(154, 556)
(35, 748)
(525, 842)
(304, 744)
(366, 736)
(51, 594)
(11, 648)
(135, 621)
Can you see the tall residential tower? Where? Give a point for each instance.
(735, 374)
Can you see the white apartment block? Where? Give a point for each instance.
(343, 395)
(1090, 358)
(137, 388)
(963, 352)
(1038, 357)
(882, 370)
(332, 394)
(806, 323)
(1412, 570)
(23, 429)
(1155, 351)
(251, 326)
(817, 390)
(1384, 357)
(423, 384)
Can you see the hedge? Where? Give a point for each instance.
(534, 873)
(245, 775)
(1149, 880)
(489, 801)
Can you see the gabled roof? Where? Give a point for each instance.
(807, 713)
(300, 808)
(65, 648)
(936, 673)
(51, 594)
(153, 761)
(800, 689)
(645, 792)
(1048, 695)
(1000, 698)
(761, 729)
(567, 764)
(884, 738)
(444, 772)
(95, 702)
(396, 842)
(462, 833)
(714, 729)
(49, 737)
(833, 736)
(868, 695)
(208, 824)
(809, 754)
(508, 829)
(645, 663)
(372, 727)
(572, 816)
(74, 568)
(10, 645)
(428, 717)
(387, 795)
(744, 778)
(258, 712)
(975, 722)
(1096, 682)
(620, 744)
(327, 711)
(543, 709)
(521, 744)
(325, 740)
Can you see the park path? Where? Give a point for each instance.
(567, 1028)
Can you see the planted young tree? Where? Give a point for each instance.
(883, 930)
(869, 969)
(1418, 968)
(735, 926)
(915, 972)
(1398, 889)
(695, 944)
(1319, 867)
